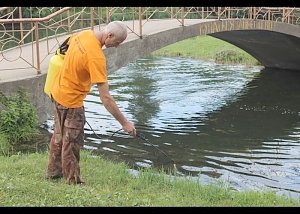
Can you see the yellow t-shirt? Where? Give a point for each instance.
(84, 65)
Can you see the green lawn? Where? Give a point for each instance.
(22, 183)
(208, 48)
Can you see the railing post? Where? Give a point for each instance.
(107, 15)
(140, 22)
(81, 21)
(99, 16)
(133, 17)
(37, 44)
(289, 16)
(283, 14)
(182, 16)
(21, 26)
(69, 22)
(92, 18)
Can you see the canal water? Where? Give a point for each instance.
(228, 124)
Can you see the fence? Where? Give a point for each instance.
(29, 26)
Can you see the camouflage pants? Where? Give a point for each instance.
(65, 144)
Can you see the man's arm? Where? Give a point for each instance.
(111, 106)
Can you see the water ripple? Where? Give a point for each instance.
(220, 123)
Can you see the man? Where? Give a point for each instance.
(84, 65)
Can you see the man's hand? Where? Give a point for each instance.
(129, 128)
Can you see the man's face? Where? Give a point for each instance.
(113, 41)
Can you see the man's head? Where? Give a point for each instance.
(116, 33)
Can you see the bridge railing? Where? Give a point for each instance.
(44, 28)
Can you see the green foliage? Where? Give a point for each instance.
(231, 57)
(228, 56)
(18, 118)
(5, 146)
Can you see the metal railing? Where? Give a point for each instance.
(23, 26)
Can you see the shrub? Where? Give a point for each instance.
(18, 118)
(5, 146)
(228, 56)
(233, 57)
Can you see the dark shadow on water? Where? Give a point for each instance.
(40, 144)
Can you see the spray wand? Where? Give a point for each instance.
(142, 137)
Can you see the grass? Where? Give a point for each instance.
(207, 48)
(109, 184)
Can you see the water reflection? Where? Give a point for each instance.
(218, 122)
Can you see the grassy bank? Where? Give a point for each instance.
(22, 183)
(208, 48)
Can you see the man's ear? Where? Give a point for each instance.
(110, 34)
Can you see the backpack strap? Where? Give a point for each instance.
(64, 46)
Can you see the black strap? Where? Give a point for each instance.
(64, 46)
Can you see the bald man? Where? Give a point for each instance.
(84, 65)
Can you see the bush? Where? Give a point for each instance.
(18, 118)
(228, 56)
(5, 146)
(233, 57)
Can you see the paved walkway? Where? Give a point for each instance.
(18, 68)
